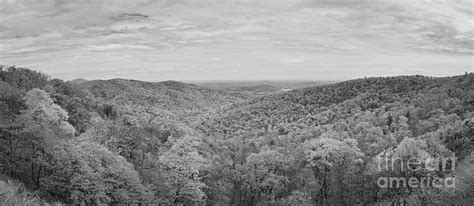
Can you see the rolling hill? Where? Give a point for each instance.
(302, 106)
(170, 100)
(132, 142)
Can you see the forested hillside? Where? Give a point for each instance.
(303, 107)
(131, 142)
(320, 144)
(170, 100)
(257, 88)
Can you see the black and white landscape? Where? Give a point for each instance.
(236, 102)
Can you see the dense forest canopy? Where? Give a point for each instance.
(132, 142)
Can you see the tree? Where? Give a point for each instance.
(22, 78)
(402, 129)
(462, 193)
(41, 129)
(98, 176)
(11, 102)
(181, 166)
(43, 117)
(329, 156)
(264, 174)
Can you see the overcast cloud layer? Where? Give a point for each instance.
(238, 39)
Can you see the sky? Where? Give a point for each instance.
(156, 40)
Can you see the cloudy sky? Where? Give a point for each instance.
(237, 39)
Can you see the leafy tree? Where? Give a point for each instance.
(181, 167)
(40, 130)
(264, 174)
(22, 78)
(332, 157)
(99, 176)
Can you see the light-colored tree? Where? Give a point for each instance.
(181, 166)
(264, 173)
(331, 160)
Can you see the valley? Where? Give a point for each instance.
(125, 141)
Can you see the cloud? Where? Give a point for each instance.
(261, 35)
(292, 60)
(117, 47)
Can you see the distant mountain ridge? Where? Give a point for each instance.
(166, 100)
(141, 142)
(78, 81)
(259, 88)
(300, 105)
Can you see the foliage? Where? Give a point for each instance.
(131, 142)
(12, 193)
(181, 167)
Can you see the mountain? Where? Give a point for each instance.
(131, 142)
(254, 90)
(78, 81)
(301, 106)
(330, 137)
(259, 88)
(171, 100)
